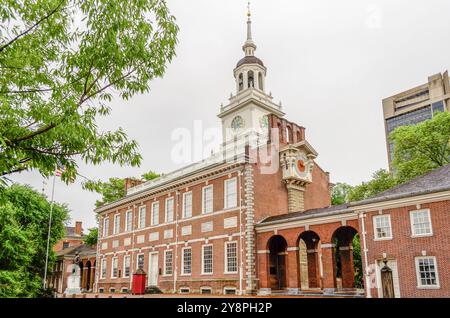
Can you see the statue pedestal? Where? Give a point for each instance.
(74, 280)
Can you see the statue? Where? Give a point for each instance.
(74, 278)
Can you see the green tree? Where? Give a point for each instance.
(357, 262)
(422, 147)
(91, 238)
(381, 181)
(60, 61)
(339, 193)
(24, 217)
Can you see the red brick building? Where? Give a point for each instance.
(407, 227)
(73, 237)
(256, 218)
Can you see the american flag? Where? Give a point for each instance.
(59, 171)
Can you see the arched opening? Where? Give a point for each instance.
(347, 258)
(289, 137)
(309, 260)
(88, 276)
(241, 82)
(277, 262)
(251, 79)
(82, 276)
(260, 81)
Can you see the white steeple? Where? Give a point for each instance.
(249, 46)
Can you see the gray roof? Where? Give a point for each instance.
(81, 249)
(249, 60)
(70, 231)
(435, 181)
(308, 214)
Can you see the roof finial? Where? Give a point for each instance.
(249, 23)
(249, 14)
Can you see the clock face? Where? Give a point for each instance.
(301, 165)
(237, 123)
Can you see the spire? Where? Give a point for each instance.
(249, 46)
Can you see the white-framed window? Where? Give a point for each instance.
(207, 199)
(207, 259)
(421, 222)
(116, 228)
(168, 262)
(185, 290)
(124, 290)
(103, 268)
(187, 204)
(382, 227)
(105, 226)
(427, 274)
(229, 291)
(140, 261)
(230, 195)
(129, 221)
(206, 290)
(126, 266)
(186, 261)
(169, 209)
(115, 267)
(231, 262)
(101, 290)
(141, 217)
(112, 290)
(155, 213)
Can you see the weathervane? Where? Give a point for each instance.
(248, 10)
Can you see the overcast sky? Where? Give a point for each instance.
(329, 62)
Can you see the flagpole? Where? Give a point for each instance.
(48, 234)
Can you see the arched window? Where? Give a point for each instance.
(251, 79)
(241, 82)
(260, 81)
(288, 134)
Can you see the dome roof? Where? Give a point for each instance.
(249, 60)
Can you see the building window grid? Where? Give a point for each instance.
(427, 275)
(103, 269)
(141, 219)
(116, 224)
(382, 224)
(140, 261)
(155, 213)
(207, 199)
(129, 221)
(231, 257)
(207, 259)
(105, 227)
(187, 261)
(115, 267)
(169, 210)
(168, 262)
(187, 204)
(126, 266)
(421, 223)
(230, 193)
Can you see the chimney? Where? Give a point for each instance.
(130, 183)
(78, 228)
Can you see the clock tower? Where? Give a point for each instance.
(247, 110)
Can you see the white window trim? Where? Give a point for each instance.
(411, 221)
(126, 221)
(140, 226)
(225, 268)
(116, 230)
(165, 210)
(152, 220)
(203, 259)
(419, 282)
(101, 268)
(112, 266)
(182, 261)
(184, 205)
(229, 288)
(375, 238)
(225, 193)
(137, 261)
(205, 288)
(185, 288)
(124, 271)
(203, 198)
(165, 255)
(105, 228)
